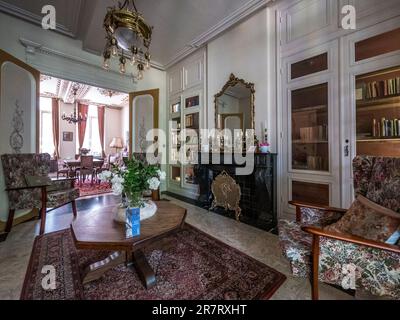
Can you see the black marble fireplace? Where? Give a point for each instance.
(259, 195)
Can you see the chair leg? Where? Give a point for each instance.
(315, 268)
(10, 220)
(43, 211)
(42, 220)
(73, 204)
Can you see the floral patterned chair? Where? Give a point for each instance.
(348, 261)
(28, 186)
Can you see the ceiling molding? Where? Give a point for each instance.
(34, 47)
(80, 70)
(234, 18)
(37, 19)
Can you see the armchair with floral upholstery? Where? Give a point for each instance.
(19, 172)
(344, 260)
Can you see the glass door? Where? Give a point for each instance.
(175, 141)
(310, 116)
(310, 139)
(191, 122)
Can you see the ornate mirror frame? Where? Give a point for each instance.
(232, 82)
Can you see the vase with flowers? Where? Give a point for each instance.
(264, 147)
(130, 182)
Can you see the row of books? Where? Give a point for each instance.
(386, 128)
(380, 89)
(316, 163)
(317, 133)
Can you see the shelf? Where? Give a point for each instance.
(175, 115)
(379, 103)
(379, 73)
(382, 139)
(309, 142)
(309, 109)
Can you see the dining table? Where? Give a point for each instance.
(73, 164)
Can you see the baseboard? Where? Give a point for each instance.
(183, 198)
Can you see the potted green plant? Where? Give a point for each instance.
(129, 182)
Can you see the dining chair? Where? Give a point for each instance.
(86, 169)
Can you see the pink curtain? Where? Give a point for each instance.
(100, 116)
(55, 113)
(82, 110)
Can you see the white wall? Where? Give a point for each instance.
(67, 148)
(243, 51)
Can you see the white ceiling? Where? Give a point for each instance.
(179, 25)
(64, 89)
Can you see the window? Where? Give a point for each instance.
(92, 135)
(46, 127)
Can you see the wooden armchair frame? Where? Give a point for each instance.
(43, 209)
(317, 233)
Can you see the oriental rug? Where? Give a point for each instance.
(194, 266)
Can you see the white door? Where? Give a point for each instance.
(311, 146)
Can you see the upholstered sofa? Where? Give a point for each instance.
(347, 261)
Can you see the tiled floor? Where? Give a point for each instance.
(263, 246)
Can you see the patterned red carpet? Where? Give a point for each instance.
(194, 267)
(86, 189)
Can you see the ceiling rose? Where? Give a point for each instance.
(128, 36)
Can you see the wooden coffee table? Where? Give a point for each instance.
(97, 230)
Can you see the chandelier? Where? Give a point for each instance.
(74, 117)
(128, 37)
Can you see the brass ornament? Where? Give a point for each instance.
(227, 194)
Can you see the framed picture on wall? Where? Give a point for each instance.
(68, 136)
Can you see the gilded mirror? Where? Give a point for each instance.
(234, 105)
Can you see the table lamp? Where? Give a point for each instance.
(117, 144)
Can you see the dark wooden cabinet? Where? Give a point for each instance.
(259, 193)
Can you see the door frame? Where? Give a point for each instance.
(155, 93)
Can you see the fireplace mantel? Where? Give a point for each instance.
(259, 196)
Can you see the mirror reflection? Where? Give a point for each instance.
(234, 105)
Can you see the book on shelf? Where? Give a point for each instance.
(176, 108)
(317, 133)
(385, 128)
(380, 89)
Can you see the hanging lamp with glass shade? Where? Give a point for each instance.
(128, 37)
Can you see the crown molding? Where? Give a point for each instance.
(37, 55)
(34, 47)
(37, 19)
(234, 18)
